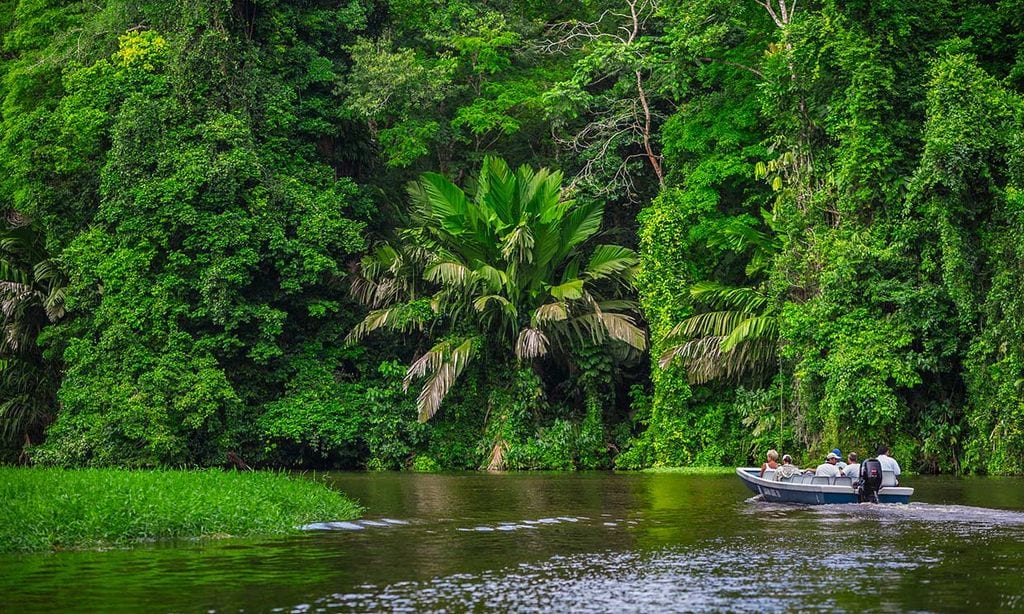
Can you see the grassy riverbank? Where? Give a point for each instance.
(692, 470)
(47, 509)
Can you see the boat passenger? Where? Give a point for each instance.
(888, 463)
(852, 469)
(771, 463)
(787, 469)
(839, 455)
(828, 468)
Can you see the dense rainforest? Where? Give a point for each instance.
(453, 234)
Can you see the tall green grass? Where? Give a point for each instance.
(44, 509)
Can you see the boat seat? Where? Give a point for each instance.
(769, 474)
(805, 478)
(888, 478)
(820, 479)
(843, 481)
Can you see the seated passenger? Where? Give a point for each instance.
(839, 463)
(771, 463)
(888, 463)
(828, 468)
(852, 469)
(787, 469)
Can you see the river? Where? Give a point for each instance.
(570, 542)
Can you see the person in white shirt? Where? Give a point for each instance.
(829, 468)
(888, 463)
(852, 469)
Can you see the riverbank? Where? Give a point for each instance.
(691, 470)
(57, 509)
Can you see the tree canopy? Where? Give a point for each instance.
(810, 211)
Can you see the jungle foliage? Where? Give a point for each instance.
(815, 208)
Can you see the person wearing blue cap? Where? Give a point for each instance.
(839, 456)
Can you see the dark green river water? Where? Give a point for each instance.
(571, 543)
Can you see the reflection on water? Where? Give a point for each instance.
(557, 542)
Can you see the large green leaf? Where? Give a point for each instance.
(610, 261)
(580, 225)
(447, 204)
(568, 291)
(496, 193)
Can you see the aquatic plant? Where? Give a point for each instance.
(56, 509)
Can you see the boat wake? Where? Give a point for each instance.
(933, 514)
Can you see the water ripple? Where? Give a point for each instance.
(714, 578)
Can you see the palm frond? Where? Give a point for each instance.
(704, 347)
(718, 323)
(568, 291)
(373, 293)
(443, 203)
(481, 302)
(528, 184)
(738, 235)
(402, 317)
(385, 275)
(531, 343)
(442, 365)
(53, 303)
(551, 312)
(448, 273)
(610, 260)
(719, 295)
(547, 241)
(753, 327)
(623, 328)
(518, 244)
(599, 325)
(582, 223)
(738, 337)
(496, 192)
(549, 201)
(618, 305)
(495, 279)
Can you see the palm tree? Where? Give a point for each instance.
(738, 334)
(738, 337)
(506, 267)
(31, 296)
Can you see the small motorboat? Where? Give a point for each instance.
(818, 490)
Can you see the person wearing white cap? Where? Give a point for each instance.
(787, 469)
(829, 468)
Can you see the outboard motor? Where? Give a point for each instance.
(870, 480)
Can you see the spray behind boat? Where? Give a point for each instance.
(870, 480)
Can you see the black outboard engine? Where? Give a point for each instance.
(870, 480)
